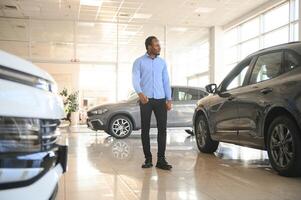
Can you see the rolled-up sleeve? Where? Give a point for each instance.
(166, 83)
(136, 76)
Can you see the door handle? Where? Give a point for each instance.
(266, 90)
(230, 98)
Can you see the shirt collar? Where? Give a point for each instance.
(147, 55)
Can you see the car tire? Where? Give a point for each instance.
(203, 139)
(120, 127)
(284, 146)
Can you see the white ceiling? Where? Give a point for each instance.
(173, 12)
(52, 25)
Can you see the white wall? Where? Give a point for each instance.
(66, 75)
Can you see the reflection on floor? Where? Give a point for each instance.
(101, 167)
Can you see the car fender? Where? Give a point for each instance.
(292, 110)
(202, 109)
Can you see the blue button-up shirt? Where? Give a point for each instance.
(150, 77)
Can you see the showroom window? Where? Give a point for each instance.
(275, 26)
(187, 54)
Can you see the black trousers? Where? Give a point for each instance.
(158, 106)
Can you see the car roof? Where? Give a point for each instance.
(290, 45)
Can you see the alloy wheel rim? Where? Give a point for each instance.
(202, 131)
(282, 146)
(121, 127)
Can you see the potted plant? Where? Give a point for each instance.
(71, 105)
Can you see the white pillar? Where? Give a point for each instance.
(299, 20)
(117, 61)
(216, 51)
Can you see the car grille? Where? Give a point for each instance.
(49, 134)
(27, 134)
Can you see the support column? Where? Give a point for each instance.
(299, 26)
(166, 56)
(29, 38)
(117, 61)
(215, 53)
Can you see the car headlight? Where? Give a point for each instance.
(53, 88)
(26, 79)
(99, 111)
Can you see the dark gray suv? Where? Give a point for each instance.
(119, 119)
(257, 105)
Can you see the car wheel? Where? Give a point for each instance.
(284, 146)
(203, 138)
(121, 127)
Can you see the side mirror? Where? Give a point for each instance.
(211, 88)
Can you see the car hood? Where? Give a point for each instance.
(210, 100)
(19, 64)
(111, 105)
(205, 101)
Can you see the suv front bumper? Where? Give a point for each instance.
(97, 123)
(40, 187)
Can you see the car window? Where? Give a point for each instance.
(267, 66)
(196, 94)
(292, 61)
(238, 79)
(184, 94)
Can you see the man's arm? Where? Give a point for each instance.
(136, 76)
(136, 82)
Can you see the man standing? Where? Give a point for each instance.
(151, 82)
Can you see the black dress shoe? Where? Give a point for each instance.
(147, 163)
(163, 164)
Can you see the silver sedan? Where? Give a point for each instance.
(120, 119)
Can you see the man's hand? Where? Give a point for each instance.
(143, 99)
(168, 105)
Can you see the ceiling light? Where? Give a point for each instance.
(86, 24)
(20, 26)
(142, 16)
(178, 29)
(10, 7)
(62, 44)
(204, 10)
(128, 33)
(90, 2)
(124, 15)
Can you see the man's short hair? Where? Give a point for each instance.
(149, 40)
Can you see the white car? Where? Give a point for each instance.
(31, 160)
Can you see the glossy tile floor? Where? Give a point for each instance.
(101, 167)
